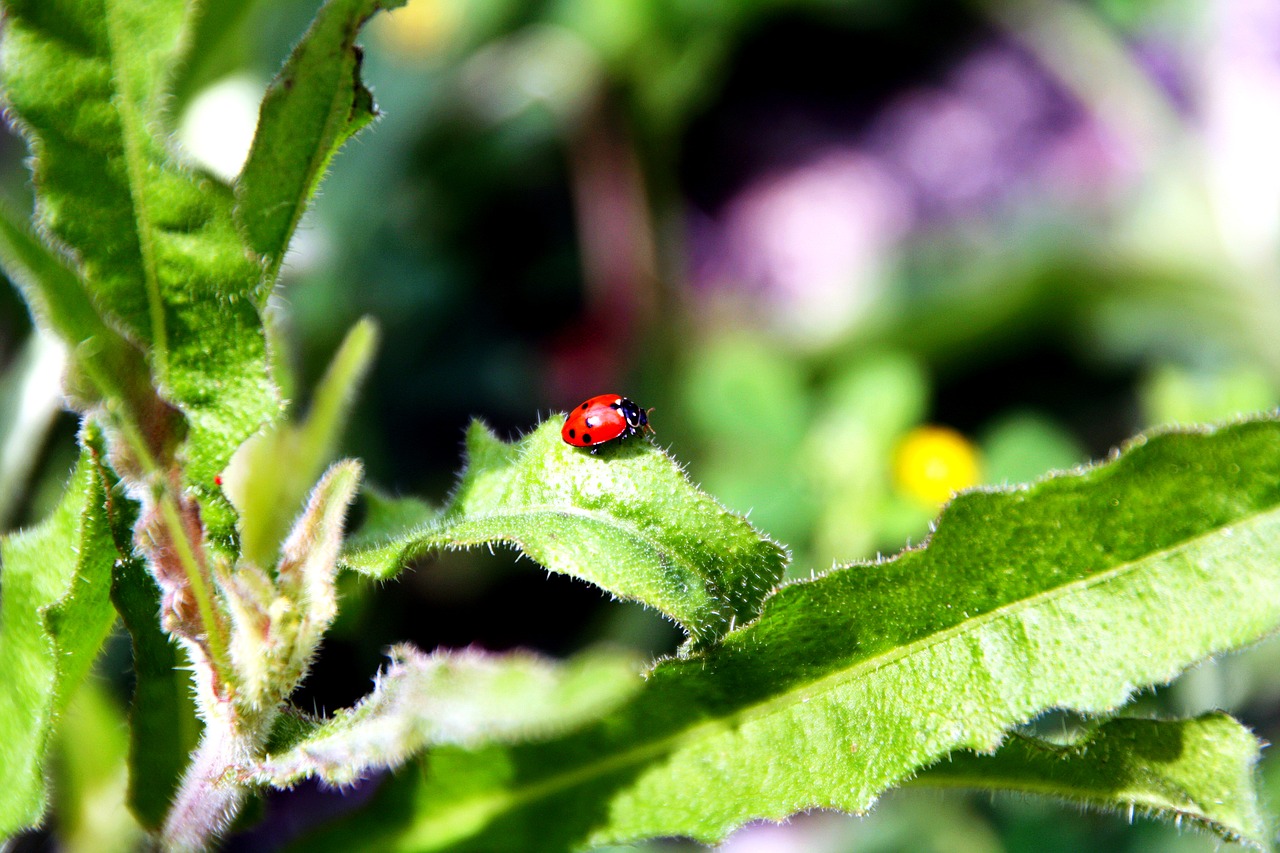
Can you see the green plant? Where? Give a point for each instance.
(197, 498)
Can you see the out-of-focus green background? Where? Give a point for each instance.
(855, 254)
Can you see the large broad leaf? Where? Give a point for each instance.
(464, 697)
(158, 251)
(54, 614)
(626, 519)
(1072, 593)
(314, 105)
(1199, 771)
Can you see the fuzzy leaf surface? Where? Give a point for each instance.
(627, 520)
(54, 614)
(1070, 593)
(158, 251)
(1199, 770)
(316, 103)
(465, 697)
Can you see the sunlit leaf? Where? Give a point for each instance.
(54, 614)
(271, 474)
(1200, 771)
(626, 519)
(314, 105)
(1071, 593)
(155, 244)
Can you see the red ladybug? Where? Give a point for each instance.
(604, 418)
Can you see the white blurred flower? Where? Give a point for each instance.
(1242, 125)
(218, 126)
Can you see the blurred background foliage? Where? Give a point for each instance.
(855, 254)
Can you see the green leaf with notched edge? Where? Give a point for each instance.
(464, 697)
(626, 519)
(315, 104)
(157, 249)
(1199, 770)
(1070, 593)
(54, 614)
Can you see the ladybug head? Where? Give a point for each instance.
(636, 417)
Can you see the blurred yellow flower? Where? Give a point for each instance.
(419, 28)
(932, 462)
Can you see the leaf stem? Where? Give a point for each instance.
(216, 642)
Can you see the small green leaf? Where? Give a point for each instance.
(465, 697)
(314, 105)
(1199, 770)
(1071, 593)
(627, 520)
(271, 474)
(54, 615)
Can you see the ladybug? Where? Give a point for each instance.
(602, 419)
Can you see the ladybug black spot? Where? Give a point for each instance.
(573, 433)
(586, 436)
(583, 407)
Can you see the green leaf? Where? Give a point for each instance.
(465, 697)
(387, 517)
(58, 299)
(272, 473)
(314, 105)
(626, 519)
(89, 775)
(54, 615)
(156, 246)
(1071, 593)
(1199, 770)
(162, 725)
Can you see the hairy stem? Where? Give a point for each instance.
(209, 798)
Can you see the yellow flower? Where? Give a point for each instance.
(419, 28)
(933, 462)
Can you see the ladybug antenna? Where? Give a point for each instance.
(648, 425)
